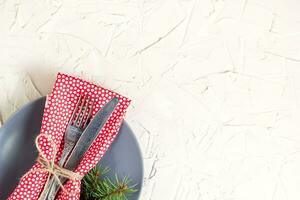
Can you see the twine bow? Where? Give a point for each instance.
(52, 168)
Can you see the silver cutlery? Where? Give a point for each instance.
(84, 143)
(77, 124)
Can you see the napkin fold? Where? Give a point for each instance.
(57, 113)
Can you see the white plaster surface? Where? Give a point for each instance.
(215, 84)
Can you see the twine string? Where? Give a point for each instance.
(52, 168)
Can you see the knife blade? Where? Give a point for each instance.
(85, 142)
(90, 134)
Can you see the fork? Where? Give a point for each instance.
(78, 122)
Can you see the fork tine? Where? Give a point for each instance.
(89, 114)
(80, 110)
(86, 107)
(75, 110)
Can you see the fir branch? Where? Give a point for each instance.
(95, 186)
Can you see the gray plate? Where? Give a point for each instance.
(18, 153)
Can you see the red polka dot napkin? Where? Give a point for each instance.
(58, 110)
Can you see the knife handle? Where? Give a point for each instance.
(71, 137)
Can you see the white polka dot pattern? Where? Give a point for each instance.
(57, 112)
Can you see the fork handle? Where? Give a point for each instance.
(47, 189)
(48, 192)
(71, 137)
(54, 188)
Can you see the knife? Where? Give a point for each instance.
(84, 143)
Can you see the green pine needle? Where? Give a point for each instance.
(95, 186)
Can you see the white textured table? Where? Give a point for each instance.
(215, 84)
